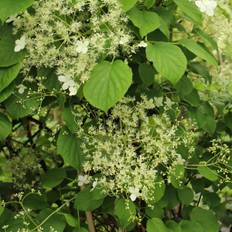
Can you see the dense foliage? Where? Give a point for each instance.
(115, 115)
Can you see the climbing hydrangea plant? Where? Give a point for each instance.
(115, 115)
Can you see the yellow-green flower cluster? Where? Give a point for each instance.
(133, 149)
(72, 36)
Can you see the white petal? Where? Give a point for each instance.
(72, 91)
(133, 197)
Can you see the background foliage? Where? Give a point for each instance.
(119, 123)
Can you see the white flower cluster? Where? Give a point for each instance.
(20, 44)
(72, 36)
(68, 83)
(207, 6)
(128, 150)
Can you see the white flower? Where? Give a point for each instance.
(158, 101)
(21, 88)
(82, 46)
(62, 78)
(11, 19)
(142, 44)
(82, 180)
(72, 90)
(94, 184)
(135, 193)
(20, 44)
(207, 6)
(124, 40)
(68, 83)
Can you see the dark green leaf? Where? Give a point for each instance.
(7, 75)
(53, 177)
(68, 146)
(5, 127)
(34, 201)
(8, 56)
(185, 195)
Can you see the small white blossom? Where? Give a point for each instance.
(21, 88)
(82, 180)
(158, 101)
(68, 83)
(82, 46)
(135, 193)
(11, 19)
(94, 184)
(207, 6)
(142, 44)
(72, 90)
(124, 40)
(20, 44)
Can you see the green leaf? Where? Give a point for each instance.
(8, 56)
(164, 27)
(190, 10)
(55, 221)
(156, 211)
(108, 83)
(35, 202)
(208, 173)
(199, 51)
(173, 226)
(127, 4)
(22, 105)
(71, 221)
(170, 199)
(156, 225)
(200, 69)
(185, 195)
(159, 189)
(208, 40)
(124, 210)
(69, 119)
(176, 175)
(82, 229)
(7, 75)
(88, 200)
(1, 209)
(184, 86)
(53, 177)
(5, 93)
(190, 226)
(205, 117)
(68, 146)
(168, 59)
(146, 73)
(11, 7)
(193, 98)
(206, 219)
(146, 21)
(5, 127)
(149, 3)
